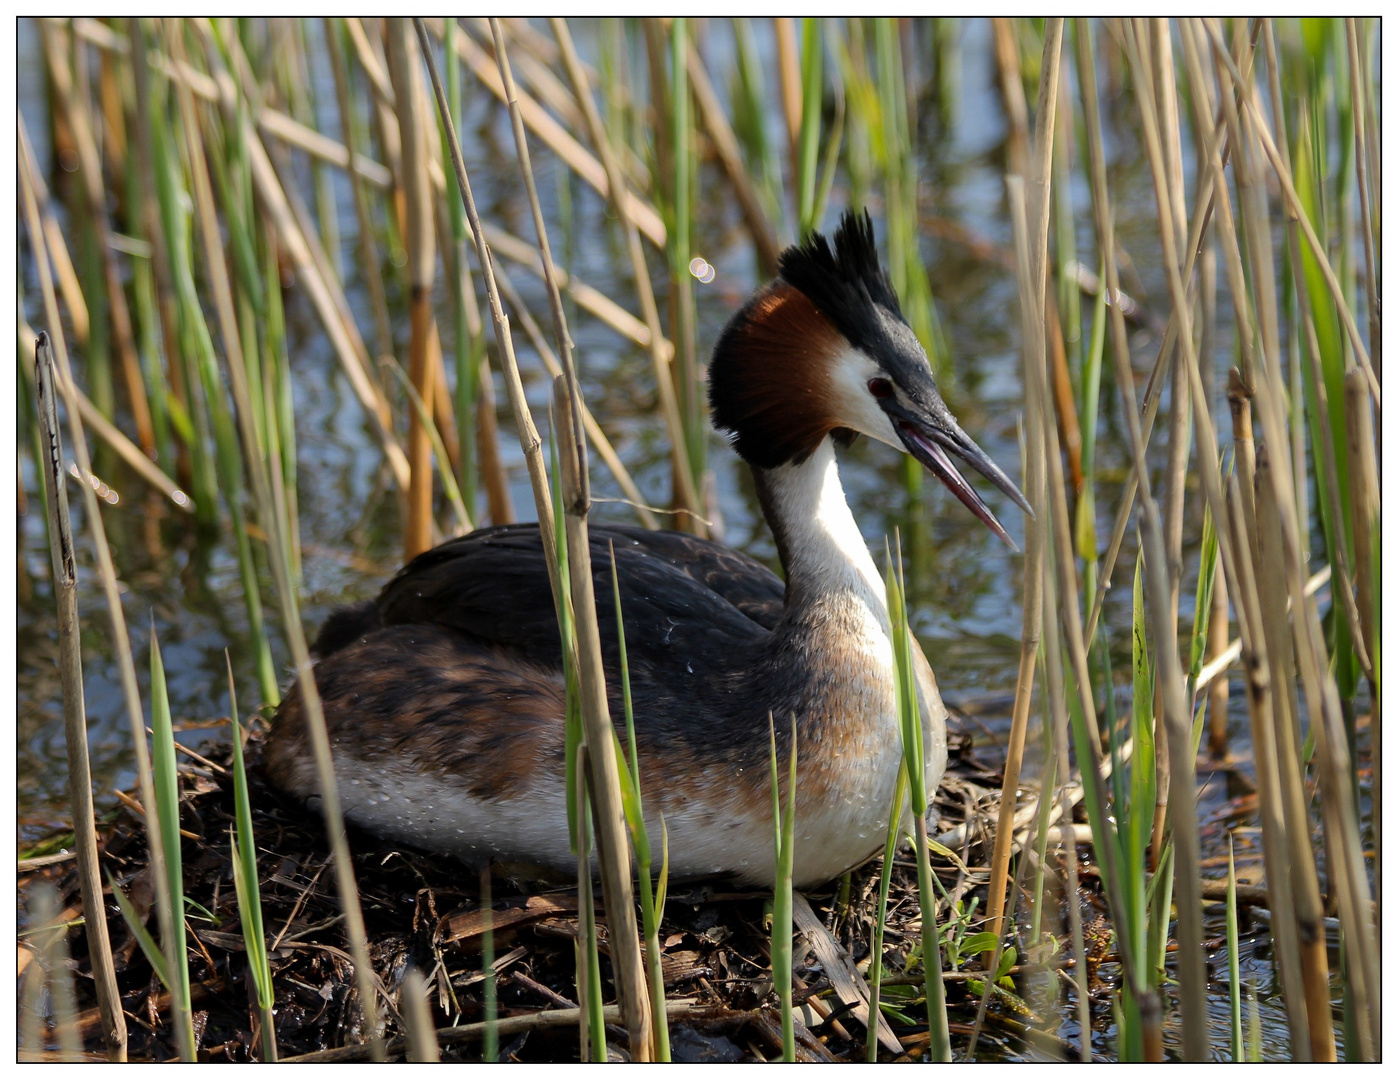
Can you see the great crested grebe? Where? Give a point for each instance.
(444, 697)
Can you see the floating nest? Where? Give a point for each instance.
(424, 911)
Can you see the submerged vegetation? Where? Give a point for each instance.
(224, 221)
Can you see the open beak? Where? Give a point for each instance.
(930, 443)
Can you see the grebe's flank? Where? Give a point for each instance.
(444, 697)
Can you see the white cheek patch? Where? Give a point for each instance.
(855, 406)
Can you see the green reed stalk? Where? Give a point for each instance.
(652, 894)
(812, 89)
(439, 450)
(147, 321)
(229, 462)
(1235, 1006)
(592, 1034)
(692, 396)
(167, 808)
(191, 420)
(784, 841)
(490, 1050)
(911, 733)
(895, 817)
(749, 97)
(245, 880)
(281, 412)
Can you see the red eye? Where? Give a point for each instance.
(881, 388)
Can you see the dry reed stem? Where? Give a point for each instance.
(108, 432)
(61, 263)
(730, 157)
(75, 107)
(1033, 468)
(605, 784)
(1182, 794)
(1364, 493)
(1207, 203)
(270, 519)
(1011, 86)
(529, 441)
(1300, 862)
(422, 256)
(1330, 485)
(1168, 672)
(687, 495)
(592, 171)
(65, 578)
(1360, 89)
(595, 434)
(349, 347)
(1345, 856)
(322, 147)
(604, 779)
(1285, 936)
(585, 296)
(1295, 208)
(107, 570)
(560, 320)
(368, 254)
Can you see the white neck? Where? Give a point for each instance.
(821, 546)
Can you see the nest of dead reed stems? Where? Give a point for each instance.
(422, 911)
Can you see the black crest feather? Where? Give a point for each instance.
(846, 284)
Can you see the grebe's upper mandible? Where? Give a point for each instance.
(444, 697)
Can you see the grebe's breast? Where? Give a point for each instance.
(835, 675)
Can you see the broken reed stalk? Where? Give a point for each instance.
(269, 514)
(422, 261)
(65, 580)
(613, 854)
(107, 570)
(687, 493)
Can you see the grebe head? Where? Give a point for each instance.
(825, 350)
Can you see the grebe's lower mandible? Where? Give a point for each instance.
(444, 697)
